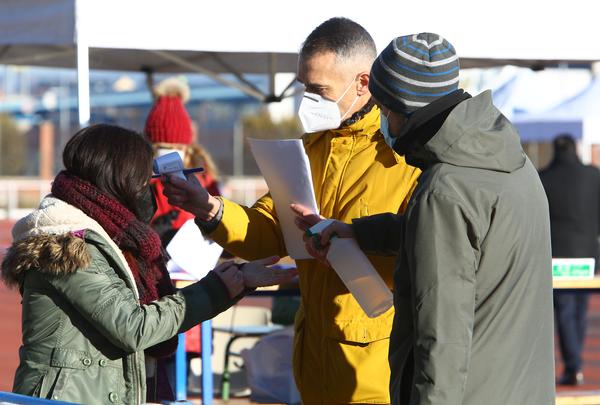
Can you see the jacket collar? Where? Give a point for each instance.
(368, 125)
(474, 134)
(425, 122)
(53, 221)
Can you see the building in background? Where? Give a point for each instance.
(30, 97)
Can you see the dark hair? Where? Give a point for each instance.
(564, 143)
(114, 159)
(341, 36)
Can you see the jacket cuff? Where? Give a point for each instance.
(379, 234)
(362, 228)
(206, 227)
(217, 292)
(247, 290)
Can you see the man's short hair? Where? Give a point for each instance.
(564, 143)
(341, 36)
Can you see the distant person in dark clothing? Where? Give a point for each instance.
(573, 191)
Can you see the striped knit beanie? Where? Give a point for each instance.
(414, 70)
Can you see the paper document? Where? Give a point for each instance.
(286, 169)
(192, 255)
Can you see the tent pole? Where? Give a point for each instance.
(36, 58)
(238, 75)
(83, 67)
(149, 74)
(272, 73)
(194, 68)
(238, 148)
(290, 85)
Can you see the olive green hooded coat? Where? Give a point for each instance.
(84, 331)
(473, 282)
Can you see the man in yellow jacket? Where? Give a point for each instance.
(340, 355)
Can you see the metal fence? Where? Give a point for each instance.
(19, 196)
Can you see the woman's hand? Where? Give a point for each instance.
(256, 274)
(232, 277)
(190, 196)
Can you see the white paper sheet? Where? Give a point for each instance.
(286, 168)
(192, 255)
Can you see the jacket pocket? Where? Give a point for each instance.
(63, 362)
(53, 383)
(37, 388)
(353, 325)
(350, 367)
(355, 350)
(78, 376)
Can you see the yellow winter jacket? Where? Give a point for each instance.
(340, 355)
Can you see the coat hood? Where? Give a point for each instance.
(475, 134)
(51, 240)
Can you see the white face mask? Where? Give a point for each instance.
(319, 114)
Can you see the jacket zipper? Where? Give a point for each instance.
(137, 378)
(336, 207)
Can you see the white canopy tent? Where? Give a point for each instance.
(242, 37)
(578, 116)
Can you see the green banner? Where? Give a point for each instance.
(573, 270)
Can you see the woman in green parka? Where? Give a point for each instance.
(99, 309)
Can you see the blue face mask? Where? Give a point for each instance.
(385, 130)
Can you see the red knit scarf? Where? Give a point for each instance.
(139, 243)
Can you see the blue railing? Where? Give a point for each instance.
(10, 398)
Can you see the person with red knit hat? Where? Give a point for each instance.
(168, 121)
(170, 129)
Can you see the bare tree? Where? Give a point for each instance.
(12, 147)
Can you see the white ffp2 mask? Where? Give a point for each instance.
(320, 114)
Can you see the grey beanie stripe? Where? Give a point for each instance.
(452, 81)
(396, 96)
(416, 55)
(413, 71)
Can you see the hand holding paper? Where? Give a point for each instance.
(305, 219)
(318, 231)
(333, 242)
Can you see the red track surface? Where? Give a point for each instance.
(10, 333)
(591, 356)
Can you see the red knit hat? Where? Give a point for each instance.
(168, 121)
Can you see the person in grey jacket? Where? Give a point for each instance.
(97, 301)
(473, 287)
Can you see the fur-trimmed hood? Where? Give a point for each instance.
(51, 240)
